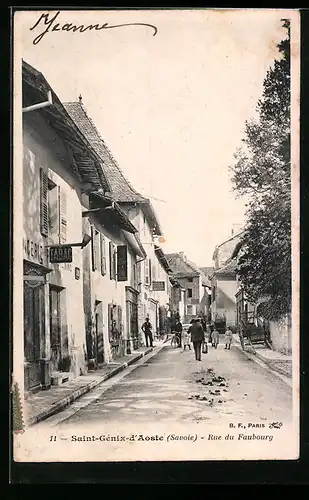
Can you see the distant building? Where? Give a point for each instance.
(195, 284)
(224, 283)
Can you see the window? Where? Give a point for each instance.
(114, 322)
(154, 273)
(62, 216)
(134, 274)
(138, 272)
(44, 215)
(150, 272)
(189, 292)
(147, 271)
(189, 310)
(95, 247)
(103, 254)
(112, 260)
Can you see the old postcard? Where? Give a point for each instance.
(156, 235)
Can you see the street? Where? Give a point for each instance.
(172, 386)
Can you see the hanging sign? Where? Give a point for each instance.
(58, 255)
(158, 286)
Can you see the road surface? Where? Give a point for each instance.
(172, 386)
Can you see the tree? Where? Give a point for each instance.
(261, 171)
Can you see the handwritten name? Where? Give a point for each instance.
(52, 25)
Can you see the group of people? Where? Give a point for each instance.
(196, 334)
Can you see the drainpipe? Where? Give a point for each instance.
(44, 104)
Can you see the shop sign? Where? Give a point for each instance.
(158, 286)
(60, 255)
(33, 251)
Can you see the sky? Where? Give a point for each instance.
(171, 107)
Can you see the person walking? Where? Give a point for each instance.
(228, 338)
(197, 338)
(215, 338)
(178, 330)
(147, 329)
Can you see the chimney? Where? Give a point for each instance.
(236, 228)
(182, 255)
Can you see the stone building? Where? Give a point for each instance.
(224, 284)
(195, 284)
(59, 168)
(141, 215)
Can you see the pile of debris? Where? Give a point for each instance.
(206, 379)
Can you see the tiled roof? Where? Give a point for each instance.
(122, 190)
(205, 280)
(228, 269)
(208, 271)
(185, 268)
(179, 266)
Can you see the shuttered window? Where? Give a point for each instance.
(103, 254)
(147, 271)
(62, 216)
(110, 321)
(139, 273)
(95, 248)
(150, 272)
(43, 203)
(122, 263)
(119, 317)
(112, 260)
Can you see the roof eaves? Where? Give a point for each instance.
(119, 214)
(151, 216)
(162, 259)
(36, 80)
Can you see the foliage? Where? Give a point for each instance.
(261, 171)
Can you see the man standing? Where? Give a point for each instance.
(197, 338)
(178, 329)
(147, 329)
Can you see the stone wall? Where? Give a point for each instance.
(281, 335)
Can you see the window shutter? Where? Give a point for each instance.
(62, 216)
(122, 263)
(134, 274)
(110, 321)
(119, 314)
(147, 271)
(114, 262)
(103, 254)
(138, 273)
(150, 272)
(93, 249)
(111, 264)
(43, 203)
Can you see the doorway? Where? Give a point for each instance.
(33, 334)
(98, 332)
(55, 327)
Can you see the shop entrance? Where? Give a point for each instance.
(55, 326)
(33, 333)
